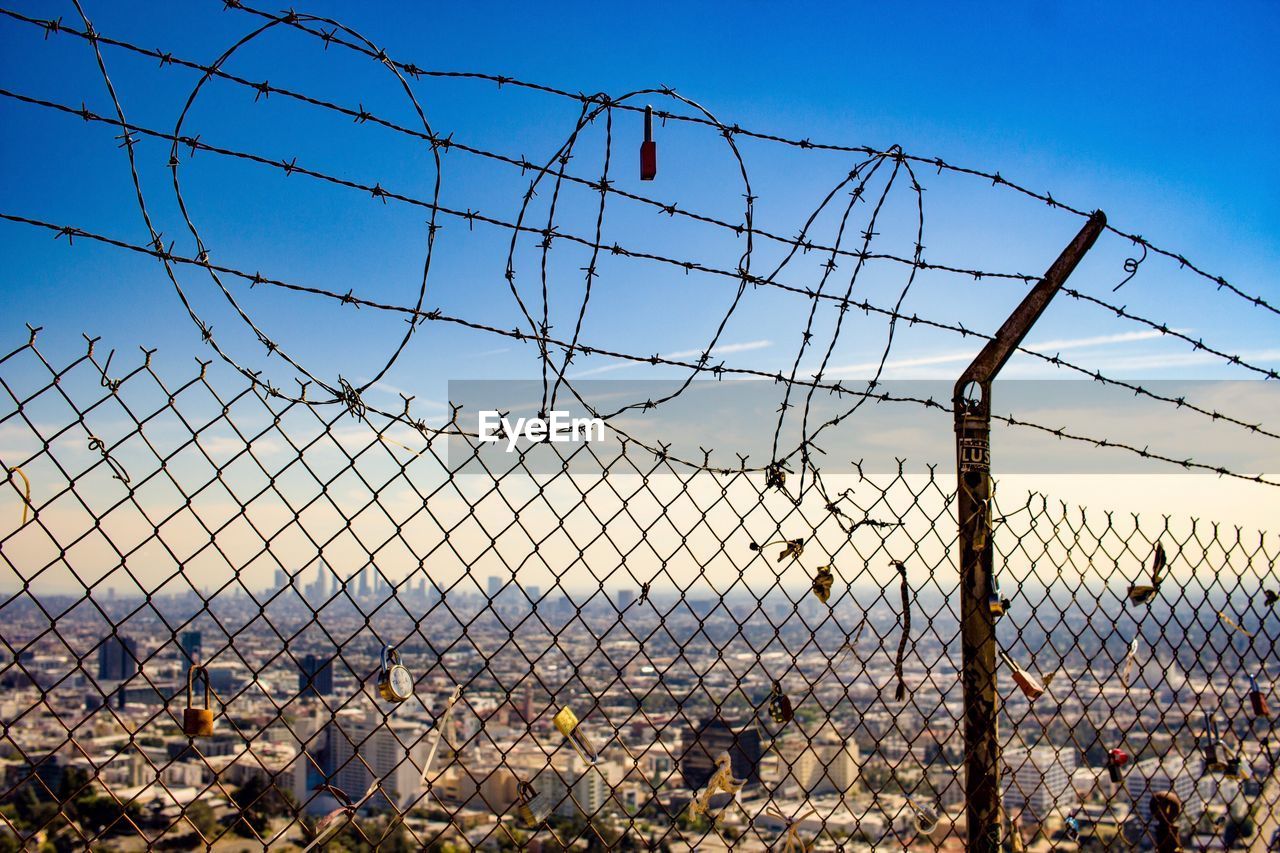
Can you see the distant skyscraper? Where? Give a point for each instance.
(362, 587)
(117, 658)
(704, 744)
(625, 598)
(315, 677)
(534, 593)
(495, 584)
(192, 650)
(282, 579)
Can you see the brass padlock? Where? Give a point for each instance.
(525, 795)
(780, 710)
(566, 723)
(198, 722)
(395, 684)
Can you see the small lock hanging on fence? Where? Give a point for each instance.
(822, 582)
(567, 724)
(995, 602)
(1258, 699)
(925, 818)
(1213, 757)
(525, 795)
(648, 148)
(1142, 593)
(395, 683)
(1072, 827)
(1116, 758)
(780, 710)
(198, 722)
(1030, 686)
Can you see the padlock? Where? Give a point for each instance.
(1116, 759)
(395, 683)
(1258, 699)
(1072, 826)
(822, 582)
(995, 603)
(780, 710)
(1027, 683)
(525, 795)
(566, 723)
(198, 722)
(1231, 766)
(648, 148)
(1213, 759)
(925, 818)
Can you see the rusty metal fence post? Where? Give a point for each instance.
(980, 601)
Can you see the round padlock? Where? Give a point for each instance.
(395, 683)
(198, 722)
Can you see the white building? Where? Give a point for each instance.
(1038, 781)
(569, 787)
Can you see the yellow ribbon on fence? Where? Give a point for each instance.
(26, 501)
(1231, 622)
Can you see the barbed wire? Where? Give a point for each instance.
(657, 449)
(719, 630)
(995, 178)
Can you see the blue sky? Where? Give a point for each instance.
(1164, 115)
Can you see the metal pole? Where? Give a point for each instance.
(972, 405)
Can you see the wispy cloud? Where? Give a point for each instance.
(724, 349)
(1053, 346)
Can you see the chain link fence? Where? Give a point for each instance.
(707, 659)
(243, 614)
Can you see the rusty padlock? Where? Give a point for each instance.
(525, 795)
(648, 148)
(1116, 759)
(1030, 686)
(198, 722)
(1258, 699)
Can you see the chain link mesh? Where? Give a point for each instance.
(284, 547)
